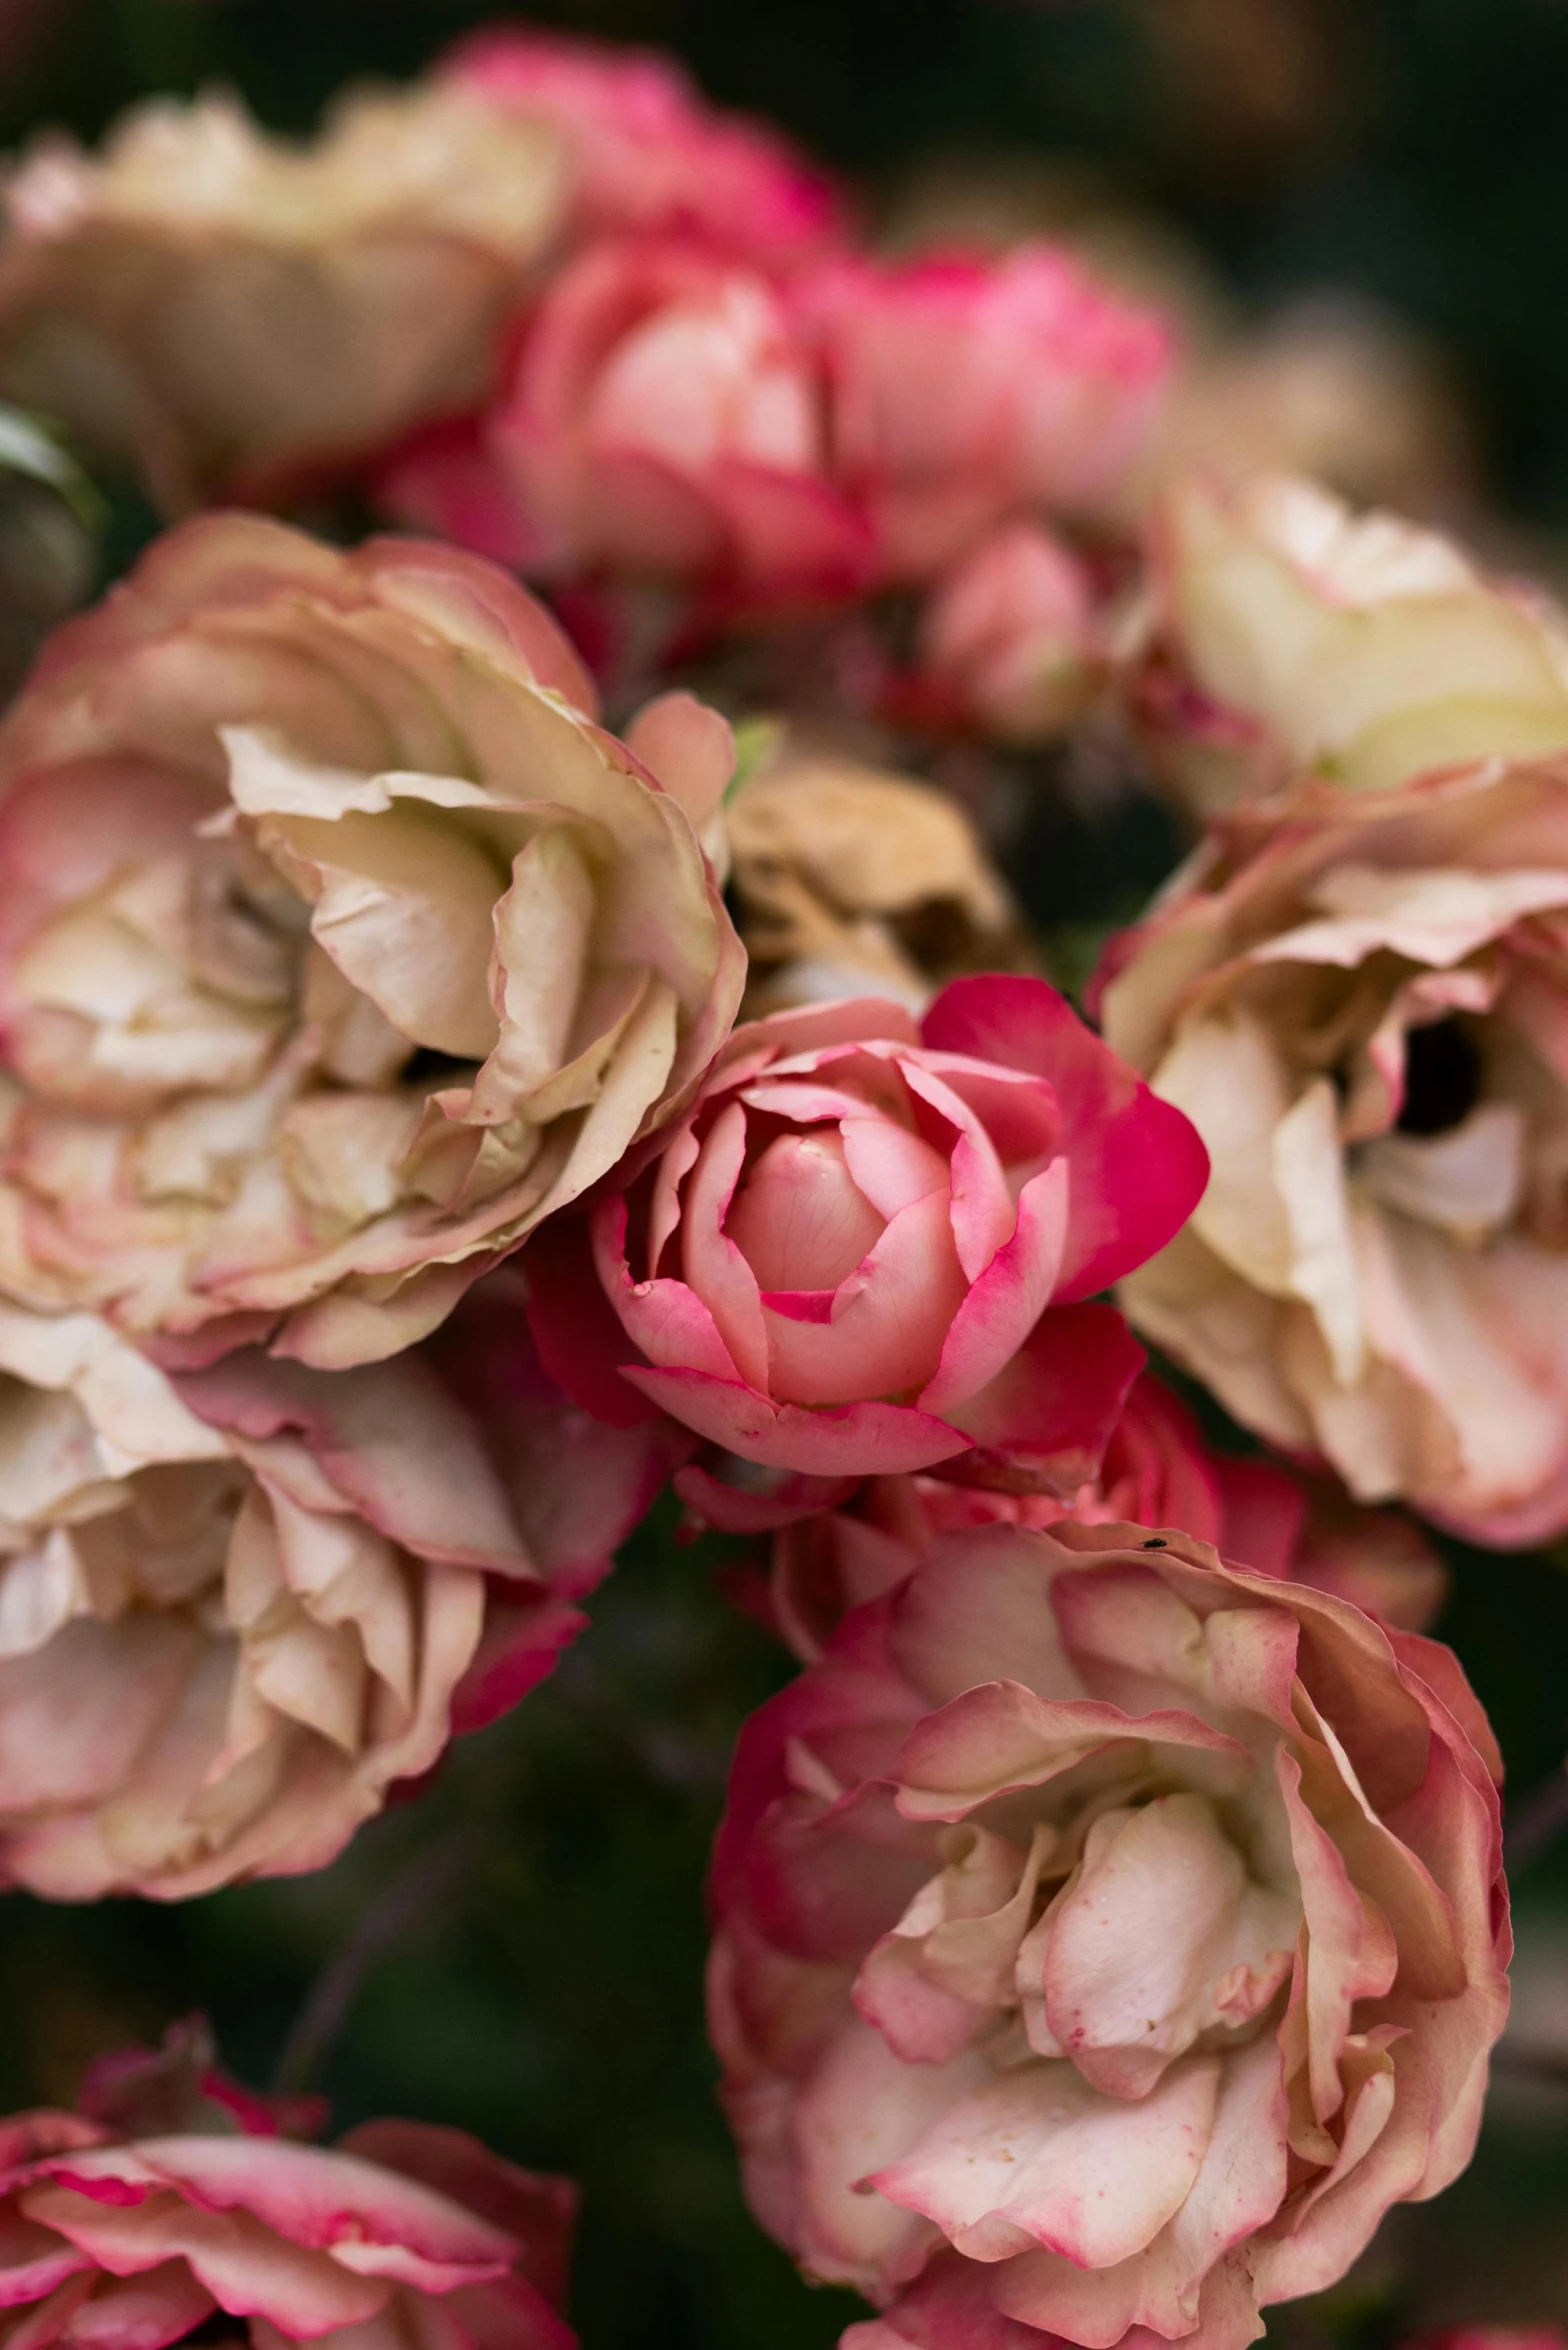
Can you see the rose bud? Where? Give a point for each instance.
(1289, 636)
(339, 945)
(239, 318)
(1106, 1936)
(237, 1605)
(665, 417)
(867, 1246)
(965, 391)
(1010, 636)
(645, 153)
(173, 2199)
(1361, 1002)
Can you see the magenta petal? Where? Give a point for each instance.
(1044, 1421)
(521, 1646)
(757, 1507)
(1006, 1302)
(579, 1341)
(844, 1440)
(1139, 1167)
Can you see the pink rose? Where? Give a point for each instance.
(339, 944)
(238, 1605)
(868, 1245)
(833, 1549)
(966, 391)
(1106, 1937)
(171, 2199)
(1009, 636)
(665, 416)
(646, 153)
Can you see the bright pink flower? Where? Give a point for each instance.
(647, 153)
(1107, 1937)
(868, 1246)
(834, 1549)
(965, 391)
(1010, 635)
(665, 417)
(172, 2196)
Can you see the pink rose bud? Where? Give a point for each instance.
(1106, 1936)
(870, 1247)
(1010, 634)
(665, 417)
(172, 2199)
(646, 153)
(968, 390)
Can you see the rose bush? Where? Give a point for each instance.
(868, 1247)
(833, 1550)
(236, 316)
(236, 1606)
(339, 945)
(646, 154)
(965, 391)
(1106, 1937)
(1290, 636)
(172, 2199)
(665, 417)
(1361, 1002)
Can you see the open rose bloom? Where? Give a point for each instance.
(645, 153)
(339, 945)
(1363, 1008)
(171, 2202)
(1106, 1937)
(239, 317)
(868, 1247)
(1291, 636)
(236, 1606)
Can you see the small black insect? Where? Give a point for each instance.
(1156, 1542)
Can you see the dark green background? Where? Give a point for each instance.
(521, 1949)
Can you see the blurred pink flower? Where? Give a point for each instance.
(833, 1550)
(339, 944)
(1010, 636)
(171, 2197)
(237, 1605)
(646, 153)
(965, 391)
(867, 1247)
(665, 417)
(1106, 1937)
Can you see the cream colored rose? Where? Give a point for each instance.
(1290, 636)
(338, 945)
(1362, 1004)
(234, 314)
(224, 1630)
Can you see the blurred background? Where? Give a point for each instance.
(1359, 208)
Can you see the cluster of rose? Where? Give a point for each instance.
(1109, 1924)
